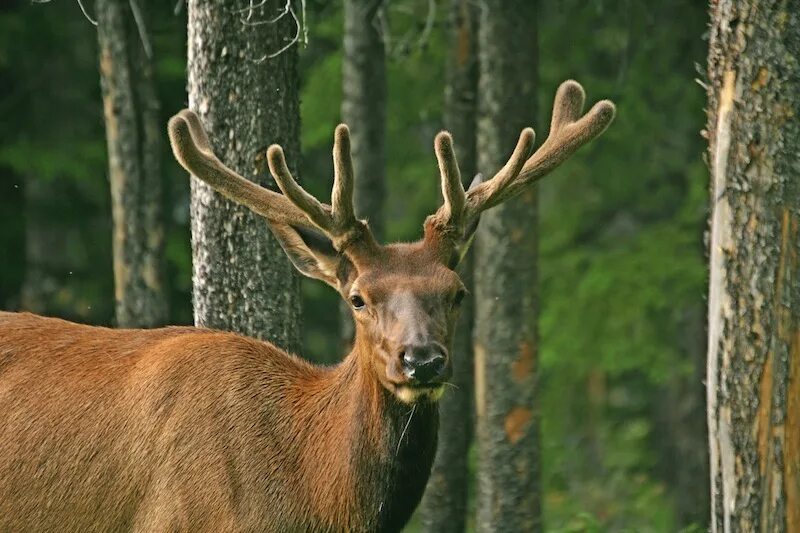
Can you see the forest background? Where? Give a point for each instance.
(622, 267)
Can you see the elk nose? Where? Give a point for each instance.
(425, 363)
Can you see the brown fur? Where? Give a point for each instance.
(196, 430)
(186, 429)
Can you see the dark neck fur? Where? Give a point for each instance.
(388, 474)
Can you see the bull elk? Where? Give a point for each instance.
(188, 429)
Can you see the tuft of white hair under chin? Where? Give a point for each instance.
(412, 395)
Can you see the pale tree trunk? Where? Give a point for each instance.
(242, 280)
(364, 111)
(444, 506)
(133, 133)
(505, 280)
(754, 297)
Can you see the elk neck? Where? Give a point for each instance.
(374, 451)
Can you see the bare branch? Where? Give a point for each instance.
(138, 17)
(286, 9)
(86, 13)
(282, 13)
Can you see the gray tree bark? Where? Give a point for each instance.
(364, 111)
(505, 280)
(133, 133)
(364, 107)
(754, 296)
(444, 505)
(242, 280)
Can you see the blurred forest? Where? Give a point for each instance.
(621, 266)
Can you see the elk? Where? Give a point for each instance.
(189, 429)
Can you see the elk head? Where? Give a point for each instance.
(404, 297)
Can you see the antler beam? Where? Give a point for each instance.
(193, 151)
(568, 132)
(295, 207)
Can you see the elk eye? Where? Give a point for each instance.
(357, 302)
(459, 297)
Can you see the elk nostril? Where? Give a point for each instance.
(409, 360)
(424, 363)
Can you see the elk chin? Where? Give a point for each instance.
(412, 395)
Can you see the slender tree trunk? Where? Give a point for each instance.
(505, 280)
(247, 101)
(754, 297)
(364, 110)
(444, 506)
(364, 107)
(133, 133)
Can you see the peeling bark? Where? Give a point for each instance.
(242, 280)
(754, 295)
(505, 280)
(444, 506)
(364, 111)
(133, 134)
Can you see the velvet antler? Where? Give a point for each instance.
(568, 132)
(295, 207)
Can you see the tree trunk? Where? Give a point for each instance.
(505, 280)
(364, 110)
(444, 506)
(754, 296)
(133, 133)
(242, 280)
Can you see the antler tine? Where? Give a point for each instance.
(196, 130)
(192, 149)
(504, 177)
(452, 189)
(338, 221)
(567, 105)
(568, 132)
(342, 194)
(319, 214)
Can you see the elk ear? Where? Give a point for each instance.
(312, 253)
(469, 233)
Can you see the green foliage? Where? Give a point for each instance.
(621, 223)
(621, 259)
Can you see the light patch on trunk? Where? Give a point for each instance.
(719, 304)
(516, 423)
(522, 368)
(480, 380)
(792, 458)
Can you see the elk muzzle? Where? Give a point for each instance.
(425, 364)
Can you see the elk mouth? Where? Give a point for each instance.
(414, 392)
